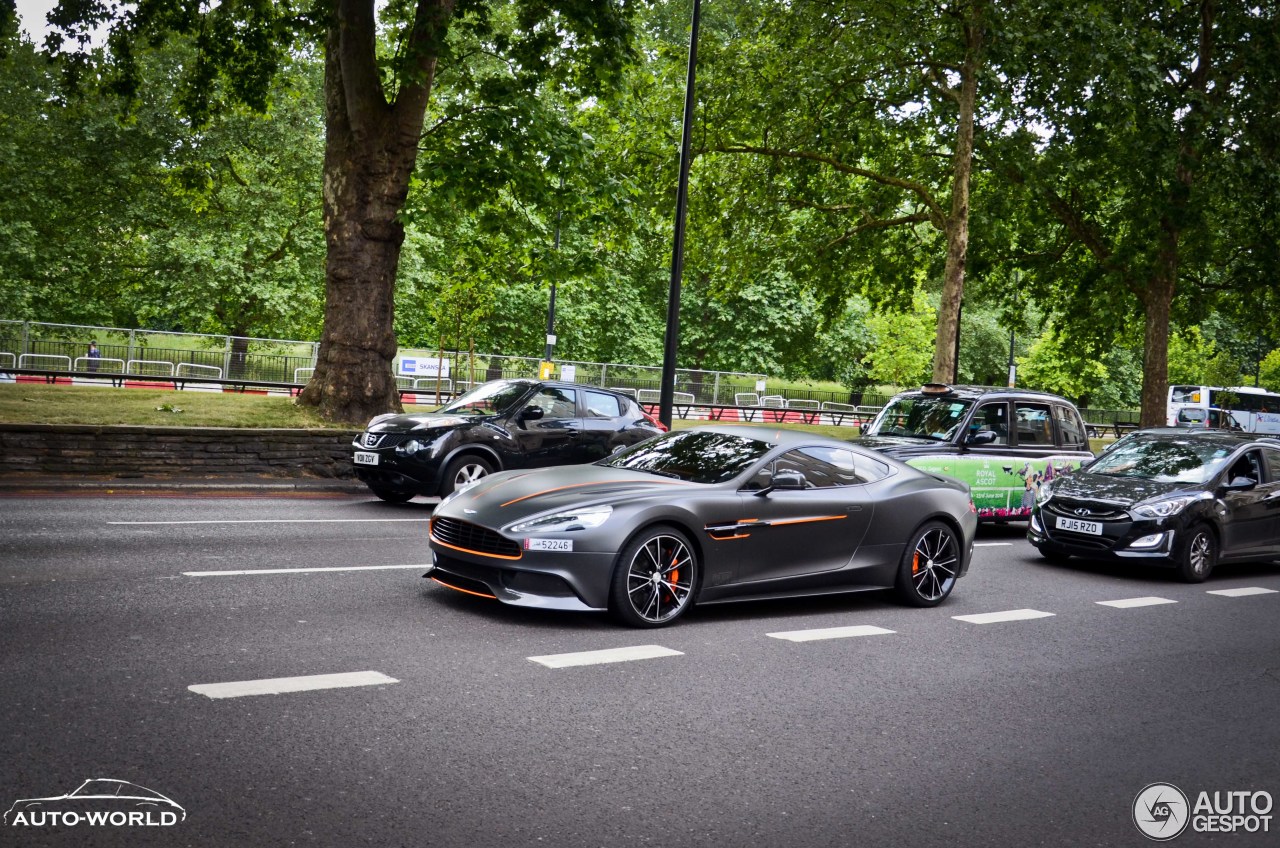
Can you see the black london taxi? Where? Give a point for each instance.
(1004, 442)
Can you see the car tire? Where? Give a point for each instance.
(929, 566)
(1197, 555)
(391, 495)
(463, 472)
(654, 579)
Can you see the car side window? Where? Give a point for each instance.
(822, 468)
(1069, 429)
(601, 405)
(1248, 466)
(556, 403)
(993, 417)
(1272, 458)
(1033, 424)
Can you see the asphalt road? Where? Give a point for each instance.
(1035, 731)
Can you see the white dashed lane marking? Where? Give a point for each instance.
(993, 544)
(998, 617)
(1126, 603)
(830, 633)
(1242, 592)
(609, 655)
(280, 685)
(418, 567)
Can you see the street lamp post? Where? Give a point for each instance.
(666, 396)
(545, 371)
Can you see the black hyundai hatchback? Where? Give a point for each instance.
(1174, 497)
(496, 426)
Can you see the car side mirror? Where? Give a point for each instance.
(786, 480)
(982, 437)
(1241, 484)
(862, 429)
(531, 413)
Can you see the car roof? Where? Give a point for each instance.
(782, 437)
(559, 384)
(1226, 438)
(971, 392)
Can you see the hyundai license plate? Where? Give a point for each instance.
(366, 458)
(1075, 525)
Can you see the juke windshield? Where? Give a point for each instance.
(496, 398)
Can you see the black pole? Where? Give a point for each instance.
(551, 304)
(667, 395)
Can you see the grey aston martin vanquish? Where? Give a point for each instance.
(708, 515)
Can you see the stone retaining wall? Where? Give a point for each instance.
(121, 451)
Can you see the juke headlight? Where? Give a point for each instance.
(569, 519)
(1165, 507)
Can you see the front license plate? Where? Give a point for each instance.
(366, 458)
(548, 544)
(1075, 525)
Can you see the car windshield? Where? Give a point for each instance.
(1164, 460)
(936, 418)
(692, 455)
(496, 398)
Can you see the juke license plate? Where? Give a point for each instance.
(1075, 525)
(366, 458)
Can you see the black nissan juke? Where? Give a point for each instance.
(500, 425)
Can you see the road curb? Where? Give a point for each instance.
(56, 485)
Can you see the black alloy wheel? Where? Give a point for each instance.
(463, 472)
(655, 578)
(929, 566)
(1197, 555)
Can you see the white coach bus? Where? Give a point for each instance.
(1256, 410)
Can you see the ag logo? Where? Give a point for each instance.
(1161, 811)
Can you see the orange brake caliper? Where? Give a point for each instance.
(915, 562)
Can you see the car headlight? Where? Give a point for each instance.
(1044, 493)
(1165, 507)
(410, 447)
(569, 519)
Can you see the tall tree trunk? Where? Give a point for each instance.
(1157, 299)
(371, 147)
(957, 225)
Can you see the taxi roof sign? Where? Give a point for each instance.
(936, 389)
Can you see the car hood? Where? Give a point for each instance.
(511, 496)
(426, 421)
(903, 446)
(1081, 485)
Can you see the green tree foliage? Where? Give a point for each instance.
(1147, 119)
(902, 352)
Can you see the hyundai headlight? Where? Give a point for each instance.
(1044, 493)
(569, 519)
(1164, 507)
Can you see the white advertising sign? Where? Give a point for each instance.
(417, 366)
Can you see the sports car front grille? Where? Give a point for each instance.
(473, 537)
